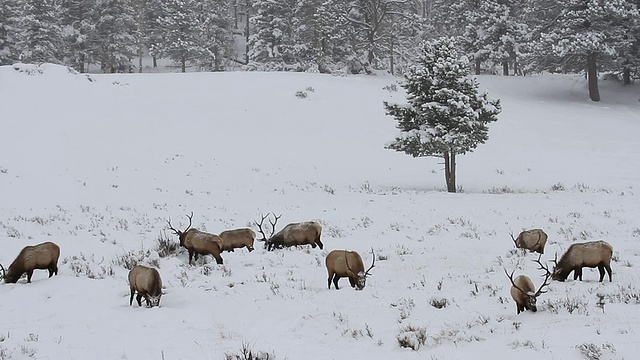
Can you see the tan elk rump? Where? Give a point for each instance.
(344, 263)
(238, 238)
(147, 283)
(533, 240)
(41, 256)
(588, 254)
(294, 234)
(199, 242)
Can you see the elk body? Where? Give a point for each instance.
(303, 233)
(238, 238)
(41, 256)
(524, 293)
(533, 240)
(589, 254)
(198, 242)
(147, 283)
(344, 263)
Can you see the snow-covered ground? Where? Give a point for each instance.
(99, 164)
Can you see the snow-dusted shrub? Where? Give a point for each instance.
(246, 353)
(132, 258)
(591, 351)
(165, 246)
(412, 337)
(81, 266)
(439, 303)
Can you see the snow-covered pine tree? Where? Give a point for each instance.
(446, 115)
(115, 26)
(79, 33)
(214, 35)
(271, 42)
(10, 14)
(40, 38)
(180, 42)
(583, 35)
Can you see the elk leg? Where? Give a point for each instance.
(608, 268)
(329, 281)
(139, 299)
(313, 245)
(218, 259)
(601, 271)
(352, 282)
(50, 272)
(29, 274)
(335, 282)
(133, 292)
(579, 272)
(250, 248)
(320, 245)
(190, 256)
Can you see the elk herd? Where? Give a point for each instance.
(146, 281)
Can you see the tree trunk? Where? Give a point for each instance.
(592, 77)
(155, 62)
(505, 68)
(450, 171)
(246, 33)
(183, 64)
(478, 63)
(626, 76)
(391, 65)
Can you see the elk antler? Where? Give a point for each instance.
(3, 272)
(547, 275)
(273, 226)
(512, 238)
(373, 263)
(513, 282)
(180, 232)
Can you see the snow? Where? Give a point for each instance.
(99, 164)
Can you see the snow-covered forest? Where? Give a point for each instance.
(327, 36)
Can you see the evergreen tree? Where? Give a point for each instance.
(272, 42)
(446, 115)
(215, 36)
(10, 14)
(40, 38)
(179, 42)
(79, 33)
(583, 34)
(115, 27)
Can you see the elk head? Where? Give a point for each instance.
(530, 297)
(266, 238)
(181, 234)
(361, 281)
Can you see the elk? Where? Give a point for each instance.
(533, 240)
(293, 234)
(523, 291)
(238, 238)
(41, 256)
(588, 254)
(146, 282)
(344, 263)
(198, 242)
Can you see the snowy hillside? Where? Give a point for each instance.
(99, 164)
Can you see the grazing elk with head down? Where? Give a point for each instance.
(41, 256)
(533, 240)
(588, 254)
(303, 233)
(343, 263)
(238, 238)
(147, 283)
(524, 292)
(198, 242)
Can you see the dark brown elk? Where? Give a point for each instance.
(523, 291)
(238, 238)
(147, 283)
(533, 240)
(41, 256)
(344, 263)
(198, 242)
(588, 254)
(303, 233)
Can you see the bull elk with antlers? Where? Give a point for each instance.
(303, 233)
(588, 254)
(533, 240)
(41, 256)
(198, 242)
(344, 263)
(523, 291)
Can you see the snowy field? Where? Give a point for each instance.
(99, 164)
